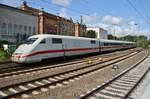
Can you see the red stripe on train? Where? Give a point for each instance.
(57, 51)
(65, 50)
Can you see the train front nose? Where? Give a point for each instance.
(18, 57)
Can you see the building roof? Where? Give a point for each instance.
(15, 8)
(37, 11)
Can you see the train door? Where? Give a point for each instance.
(99, 45)
(93, 43)
(64, 47)
(57, 47)
(102, 46)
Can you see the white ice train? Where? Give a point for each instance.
(39, 47)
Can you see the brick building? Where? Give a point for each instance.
(66, 26)
(16, 24)
(49, 23)
(80, 30)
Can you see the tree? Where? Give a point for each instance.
(91, 34)
(141, 40)
(111, 37)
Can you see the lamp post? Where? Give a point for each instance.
(114, 31)
(136, 26)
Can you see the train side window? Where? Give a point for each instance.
(56, 40)
(106, 44)
(110, 44)
(43, 41)
(93, 41)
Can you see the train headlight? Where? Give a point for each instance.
(17, 55)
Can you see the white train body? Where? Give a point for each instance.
(45, 46)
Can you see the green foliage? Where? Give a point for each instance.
(140, 40)
(91, 34)
(4, 42)
(83, 34)
(129, 38)
(8, 43)
(3, 54)
(111, 37)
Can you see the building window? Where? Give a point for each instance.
(4, 29)
(34, 30)
(25, 29)
(9, 29)
(29, 29)
(15, 29)
(0, 29)
(20, 28)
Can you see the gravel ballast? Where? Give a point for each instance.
(77, 87)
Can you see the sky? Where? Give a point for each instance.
(116, 16)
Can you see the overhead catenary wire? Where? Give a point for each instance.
(60, 6)
(90, 3)
(144, 9)
(69, 8)
(137, 11)
(40, 6)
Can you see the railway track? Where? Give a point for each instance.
(97, 59)
(121, 85)
(23, 88)
(10, 67)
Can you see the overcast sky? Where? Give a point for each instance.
(116, 16)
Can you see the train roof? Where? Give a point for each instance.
(73, 37)
(61, 36)
(116, 41)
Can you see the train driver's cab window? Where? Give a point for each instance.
(56, 41)
(31, 40)
(43, 41)
(93, 41)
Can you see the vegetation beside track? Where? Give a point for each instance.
(4, 56)
(141, 41)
